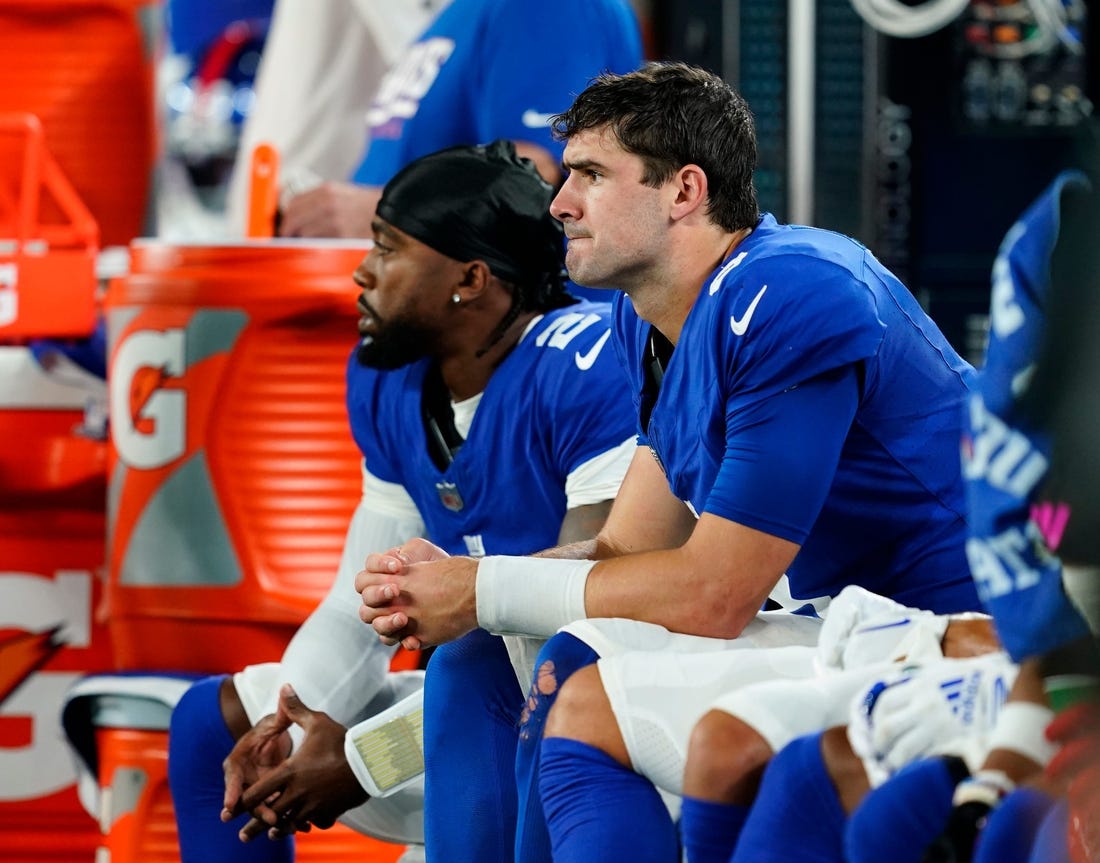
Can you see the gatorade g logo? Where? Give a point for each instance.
(167, 369)
(171, 381)
(148, 418)
(38, 617)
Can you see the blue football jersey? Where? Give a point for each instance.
(791, 306)
(1006, 458)
(558, 399)
(488, 69)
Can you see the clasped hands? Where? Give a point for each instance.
(414, 594)
(417, 595)
(288, 793)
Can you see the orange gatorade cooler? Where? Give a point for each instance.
(52, 529)
(137, 818)
(49, 638)
(116, 726)
(233, 473)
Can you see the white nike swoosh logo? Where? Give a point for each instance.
(533, 119)
(716, 282)
(740, 326)
(585, 361)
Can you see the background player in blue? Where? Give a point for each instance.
(1007, 460)
(1011, 558)
(484, 69)
(457, 288)
(801, 410)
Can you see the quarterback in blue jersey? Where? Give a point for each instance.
(484, 69)
(802, 415)
(491, 418)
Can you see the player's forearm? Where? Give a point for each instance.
(676, 590)
(585, 549)
(535, 597)
(969, 636)
(712, 585)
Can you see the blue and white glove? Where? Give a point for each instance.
(919, 710)
(862, 628)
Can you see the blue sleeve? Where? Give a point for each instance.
(803, 317)
(537, 56)
(782, 454)
(1005, 459)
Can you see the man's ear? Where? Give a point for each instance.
(691, 190)
(473, 281)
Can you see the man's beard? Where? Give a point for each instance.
(394, 344)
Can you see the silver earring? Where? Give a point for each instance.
(456, 299)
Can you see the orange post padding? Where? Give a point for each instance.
(263, 197)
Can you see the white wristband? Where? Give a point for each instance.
(532, 596)
(986, 786)
(1021, 728)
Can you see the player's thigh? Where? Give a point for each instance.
(658, 697)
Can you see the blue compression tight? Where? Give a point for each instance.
(472, 702)
(1011, 828)
(598, 810)
(899, 820)
(709, 830)
(1051, 844)
(559, 658)
(198, 742)
(797, 815)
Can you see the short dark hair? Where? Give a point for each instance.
(671, 115)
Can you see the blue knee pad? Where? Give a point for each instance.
(559, 658)
(472, 703)
(198, 742)
(898, 820)
(1010, 830)
(797, 815)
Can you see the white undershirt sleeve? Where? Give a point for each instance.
(335, 662)
(599, 478)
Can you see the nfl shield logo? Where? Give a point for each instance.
(449, 496)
